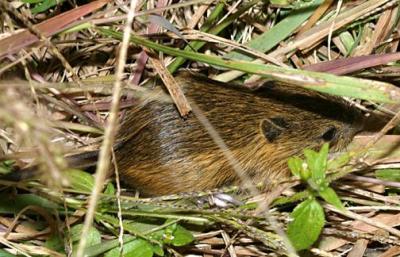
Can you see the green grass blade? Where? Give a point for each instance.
(322, 82)
(278, 33)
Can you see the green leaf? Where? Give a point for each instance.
(55, 243)
(388, 174)
(182, 236)
(100, 249)
(168, 232)
(136, 248)
(13, 204)
(143, 226)
(80, 180)
(174, 234)
(308, 221)
(330, 196)
(157, 249)
(93, 236)
(311, 159)
(338, 162)
(317, 163)
(110, 189)
(305, 174)
(295, 165)
(321, 163)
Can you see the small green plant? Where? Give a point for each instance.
(149, 237)
(308, 217)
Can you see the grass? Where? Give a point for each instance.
(63, 73)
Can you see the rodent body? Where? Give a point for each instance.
(163, 153)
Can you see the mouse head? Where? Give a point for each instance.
(307, 118)
(311, 131)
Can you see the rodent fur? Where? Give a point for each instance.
(163, 153)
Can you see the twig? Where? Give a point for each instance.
(173, 88)
(368, 221)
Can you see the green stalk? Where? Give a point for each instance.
(322, 82)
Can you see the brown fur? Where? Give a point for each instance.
(163, 153)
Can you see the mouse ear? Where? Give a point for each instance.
(273, 127)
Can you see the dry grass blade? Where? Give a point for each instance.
(173, 87)
(352, 64)
(312, 36)
(24, 38)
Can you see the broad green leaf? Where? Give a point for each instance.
(136, 248)
(80, 180)
(308, 221)
(175, 234)
(182, 236)
(93, 237)
(330, 196)
(388, 174)
(295, 165)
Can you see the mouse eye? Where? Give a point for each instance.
(330, 134)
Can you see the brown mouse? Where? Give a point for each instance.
(158, 152)
(163, 153)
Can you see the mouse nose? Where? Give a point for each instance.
(349, 131)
